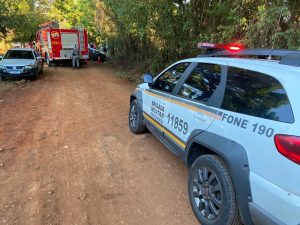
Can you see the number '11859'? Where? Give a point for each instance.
(178, 123)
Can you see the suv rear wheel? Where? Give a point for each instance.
(212, 193)
(135, 118)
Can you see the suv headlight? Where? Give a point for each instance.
(29, 67)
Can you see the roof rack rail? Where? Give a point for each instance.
(251, 52)
(291, 59)
(286, 57)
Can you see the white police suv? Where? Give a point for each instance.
(235, 121)
(21, 62)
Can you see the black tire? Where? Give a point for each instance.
(3, 78)
(35, 75)
(135, 118)
(210, 184)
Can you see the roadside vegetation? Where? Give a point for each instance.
(147, 35)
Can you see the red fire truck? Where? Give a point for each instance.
(56, 45)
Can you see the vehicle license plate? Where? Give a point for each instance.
(15, 72)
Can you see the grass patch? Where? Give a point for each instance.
(128, 70)
(127, 75)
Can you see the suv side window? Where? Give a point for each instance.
(202, 82)
(256, 94)
(168, 80)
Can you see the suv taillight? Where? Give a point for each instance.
(289, 146)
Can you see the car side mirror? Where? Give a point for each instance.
(148, 78)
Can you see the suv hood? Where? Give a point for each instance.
(16, 62)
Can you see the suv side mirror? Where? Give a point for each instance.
(148, 78)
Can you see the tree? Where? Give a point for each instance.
(22, 17)
(153, 33)
(7, 17)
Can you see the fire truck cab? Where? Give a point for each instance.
(56, 45)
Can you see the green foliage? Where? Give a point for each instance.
(149, 34)
(22, 17)
(7, 17)
(162, 31)
(274, 28)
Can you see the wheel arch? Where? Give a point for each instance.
(136, 98)
(132, 97)
(137, 94)
(236, 160)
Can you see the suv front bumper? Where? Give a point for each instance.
(23, 73)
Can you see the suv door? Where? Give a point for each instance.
(195, 103)
(155, 99)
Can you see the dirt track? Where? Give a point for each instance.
(68, 157)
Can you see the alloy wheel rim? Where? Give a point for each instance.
(133, 116)
(207, 193)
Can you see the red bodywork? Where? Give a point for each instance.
(49, 43)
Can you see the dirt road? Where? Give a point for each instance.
(68, 157)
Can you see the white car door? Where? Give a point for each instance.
(195, 103)
(155, 99)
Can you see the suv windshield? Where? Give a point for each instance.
(19, 54)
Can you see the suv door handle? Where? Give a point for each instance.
(200, 117)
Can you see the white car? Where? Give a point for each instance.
(21, 63)
(236, 124)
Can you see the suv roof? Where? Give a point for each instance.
(253, 52)
(21, 49)
(245, 61)
(285, 57)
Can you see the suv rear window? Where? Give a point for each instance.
(256, 94)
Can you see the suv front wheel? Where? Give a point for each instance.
(212, 193)
(135, 118)
(35, 75)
